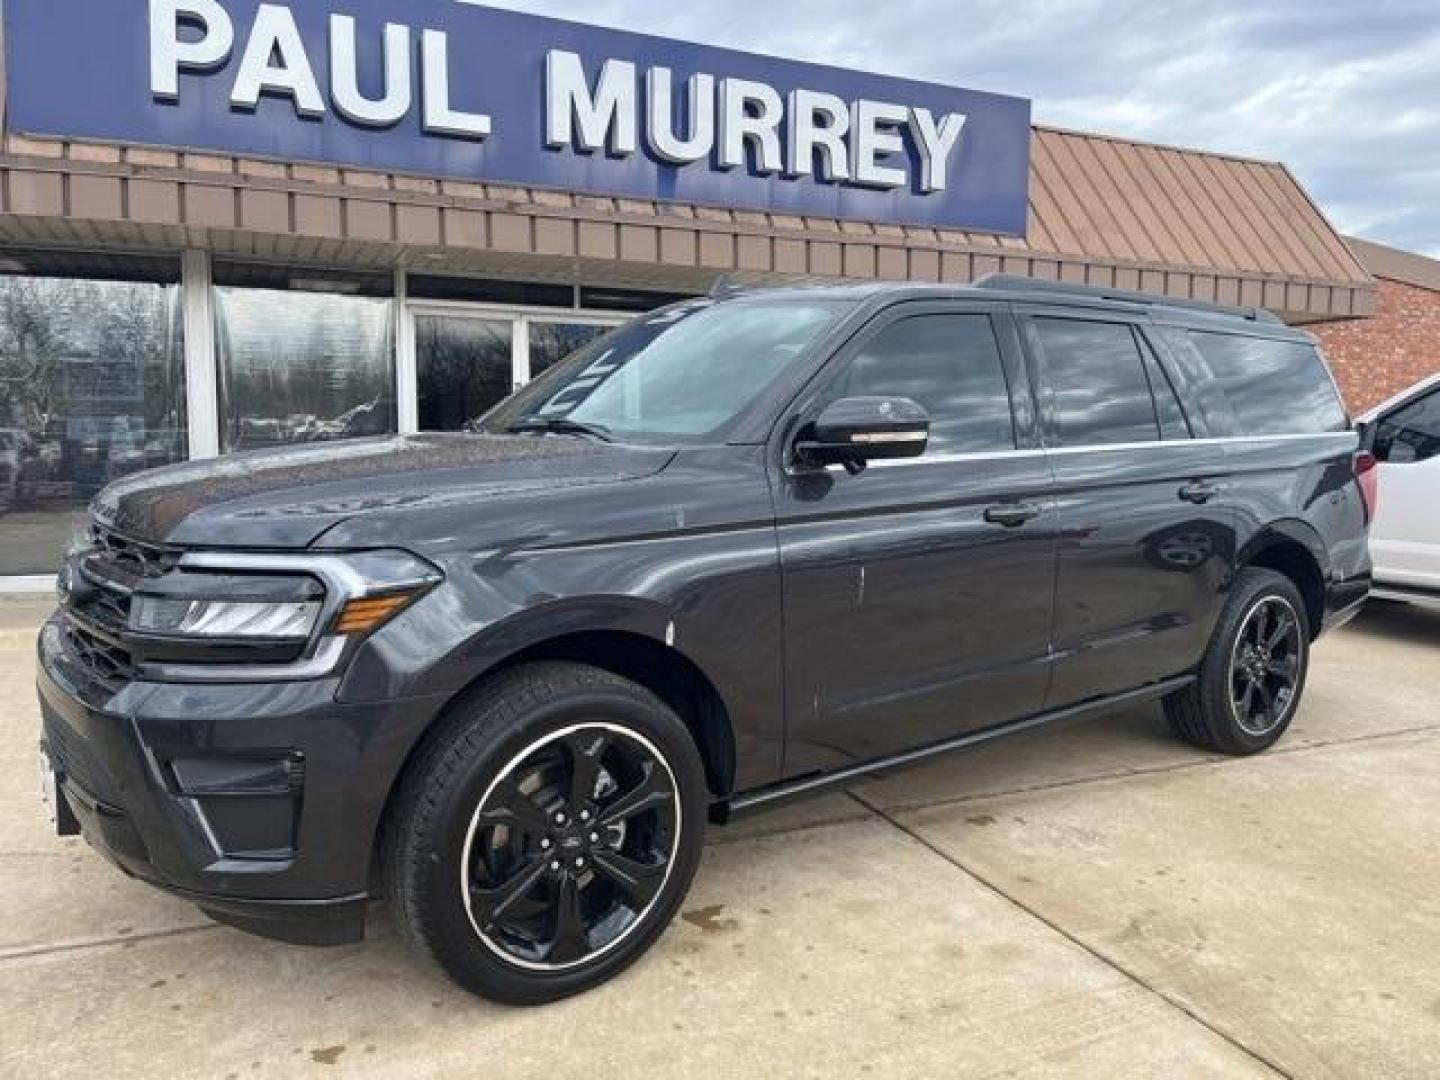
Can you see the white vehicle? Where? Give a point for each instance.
(1405, 535)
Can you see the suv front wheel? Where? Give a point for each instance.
(546, 833)
(1251, 679)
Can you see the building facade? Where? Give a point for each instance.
(1376, 358)
(227, 225)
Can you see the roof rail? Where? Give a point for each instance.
(1017, 283)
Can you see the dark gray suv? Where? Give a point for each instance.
(738, 549)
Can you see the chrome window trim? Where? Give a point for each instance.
(991, 455)
(883, 437)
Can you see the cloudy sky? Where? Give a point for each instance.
(1345, 92)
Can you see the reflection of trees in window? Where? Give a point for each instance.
(298, 367)
(92, 388)
(463, 368)
(77, 355)
(551, 342)
(107, 349)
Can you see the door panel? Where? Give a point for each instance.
(1146, 527)
(1405, 536)
(1140, 571)
(910, 617)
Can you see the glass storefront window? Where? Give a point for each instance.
(551, 342)
(299, 367)
(462, 367)
(465, 364)
(92, 388)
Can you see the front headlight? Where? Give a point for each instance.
(234, 609)
(227, 618)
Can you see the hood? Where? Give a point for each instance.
(289, 498)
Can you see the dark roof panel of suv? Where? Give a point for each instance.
(1009, 287)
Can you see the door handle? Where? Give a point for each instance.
(1011, 515)
(1198, 492)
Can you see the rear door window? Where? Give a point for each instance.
(1174, 424)
(948, 363)
(1411, 433)
(1274, 387)
(1096, 379)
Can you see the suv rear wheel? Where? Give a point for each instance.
(547, 833)
(1251, 679)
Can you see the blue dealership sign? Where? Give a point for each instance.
(444, 88)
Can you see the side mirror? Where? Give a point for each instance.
(857, 430)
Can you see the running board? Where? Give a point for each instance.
(722, 812)
(1406, 594)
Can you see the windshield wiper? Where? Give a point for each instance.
(560, 425)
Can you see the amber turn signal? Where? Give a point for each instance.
(370, 612)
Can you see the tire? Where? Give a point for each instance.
(1214, 712)
(482, 873)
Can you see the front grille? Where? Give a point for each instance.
(109, 662)
(120, 558)
(98, 611)
(106, 604)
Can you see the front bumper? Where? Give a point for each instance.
(258, 802)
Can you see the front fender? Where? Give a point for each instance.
(408, 658)
(687, 558)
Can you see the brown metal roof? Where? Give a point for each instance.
(1396, 265)
(1103, 211)
(1114, 199)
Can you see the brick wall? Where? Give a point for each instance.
(1376, 358)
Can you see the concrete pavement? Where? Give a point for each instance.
(1092, 901)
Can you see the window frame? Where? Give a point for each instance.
(808, 404)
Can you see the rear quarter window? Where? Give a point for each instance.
(1273, 387)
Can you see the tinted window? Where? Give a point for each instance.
(1098, 383)
(1274, 387)
(951, 365)
(1168, 409)
(1412, 433)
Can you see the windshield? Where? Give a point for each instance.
(681, 374)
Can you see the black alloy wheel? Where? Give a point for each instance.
(1249, 683)
(545, 832)
(570, 846)
(1265, 665)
